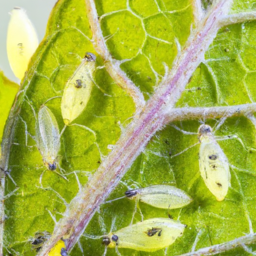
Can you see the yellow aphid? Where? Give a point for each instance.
(59, 249)
(48, 137)
(78, 90)
(22, 41)
(213, 163)
(149, 235)
(160, 196)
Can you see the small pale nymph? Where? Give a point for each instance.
(213, 163)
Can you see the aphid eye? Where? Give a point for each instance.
(52, 167)
(78, 83)
(115, 238)
(90, 56)
(131, 193)
(106, 240)
(63, 252)
(204, 129)
(213, 157)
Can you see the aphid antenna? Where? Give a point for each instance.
(11, 193)
(31, 106)
(110, 201)
(103, 91)
(94, 237)
(58, 195)
(41, 178)
(63, 130)
(184, 132)
(61, 175)
(185, 150)
(78, 182)
(8, 173)
(52, 98)
(105, 251)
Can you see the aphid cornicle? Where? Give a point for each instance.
(160, 196)
(22, 41)
(48, 137)
(78, 89)
(213, 163)
(149, 235)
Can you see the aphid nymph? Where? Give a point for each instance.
(160, 196)
(22, 41)
(213, 163)
(78, 89)
(48, 137)
(142, 237)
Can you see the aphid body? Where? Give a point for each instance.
(213, 163)
(22, 41)
(39, 239)
(149, 235)
(160, 196)
(48, 137)
(59, 249)
(78, 90)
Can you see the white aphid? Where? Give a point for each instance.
(160, 196)
(48, 137)
(78, 89)
(213, 163)
(149, 235)
(22, 41)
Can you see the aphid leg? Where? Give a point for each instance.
(103, 91)
(113, 224)
(141, 214)
(110, 201)
(80, 247)
(117, 252)
(78, 182)
(53, 218)
(135, 210)
(217, 126)
(228, 137)
(105, 251)
(41, 178)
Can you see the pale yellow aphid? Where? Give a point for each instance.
(59, 249)
(149, 235)
(78, 89)
(22, 41)
(160, 196)
(48, 137)
(213, 163)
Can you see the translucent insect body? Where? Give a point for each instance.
(149, 235)
(213, 163)
(48, 137)
(160, 196)
(22, 41)
(78, 90)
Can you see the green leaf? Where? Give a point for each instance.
(8, 90)
(147, 34)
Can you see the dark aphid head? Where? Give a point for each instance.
(114, 238)
(106, 240)
(204, 129)
(52, 167)
(63, 252)
(131, 193)
(90, 56)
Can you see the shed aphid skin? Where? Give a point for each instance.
(48, 137)
(78, 89)
(150, 235)
(213, 163)
(21, 42)
(160, 196)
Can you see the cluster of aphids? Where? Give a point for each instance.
(149, 235)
